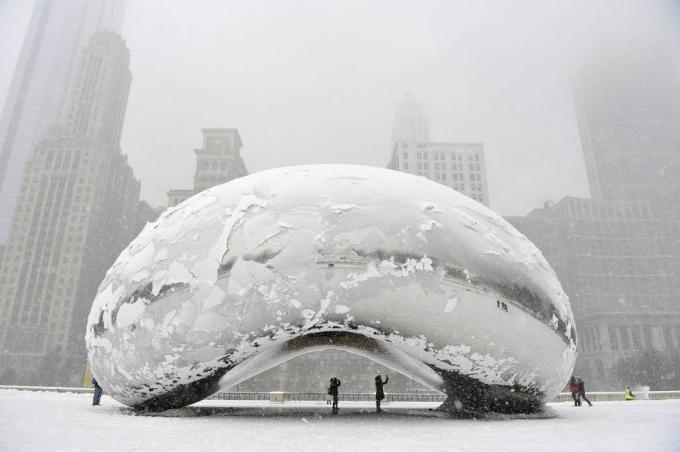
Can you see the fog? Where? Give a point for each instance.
(308, 82)
(312, 82)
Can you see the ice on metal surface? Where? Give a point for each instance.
(436, 283)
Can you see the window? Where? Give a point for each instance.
(613, 338)
(635, 335)
(668, 337)
(405, 155)
(443, 176)
(420, 165)
(476, 157)
(647, 333)
(436, 165)
(436, 157)
(425, 155)
(625, 341)
(405, 165)
(404, 145)
(426, 165)
(419, 155)
(443, 165)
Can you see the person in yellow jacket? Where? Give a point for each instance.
(628, 394)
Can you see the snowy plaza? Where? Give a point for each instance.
(42, 421)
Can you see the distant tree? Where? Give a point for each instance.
(658, 370)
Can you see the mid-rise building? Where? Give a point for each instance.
(58, 30)
(460, 166)
(78, 208)
(217, 162)
(619, 262)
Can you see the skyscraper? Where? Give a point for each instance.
(57, 31)
(617, 255)
(628, 111)
(410, 122)
(78, 208)
(217, 162)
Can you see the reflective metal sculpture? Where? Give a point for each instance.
(402, 270)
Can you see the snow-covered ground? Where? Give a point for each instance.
(45, 421)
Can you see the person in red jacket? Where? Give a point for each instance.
(573, 387)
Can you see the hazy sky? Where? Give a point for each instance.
(318, 81)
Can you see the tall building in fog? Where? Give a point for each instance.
(618, 254)
(410, 122)
(57, 31)
(217, 162)
(78, 207)
(628, 111)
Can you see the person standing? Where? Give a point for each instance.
(573, 387)
(379, 392)
(582, 391)
(97, 392)
(628, 394)
(333, 391)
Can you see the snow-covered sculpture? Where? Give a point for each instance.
(407, 272)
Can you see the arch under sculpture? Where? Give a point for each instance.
(402, 270)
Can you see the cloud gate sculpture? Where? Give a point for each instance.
(404, 271)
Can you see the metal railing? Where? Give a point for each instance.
(369, 396)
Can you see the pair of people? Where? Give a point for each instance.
(578, 391)
(379, 392)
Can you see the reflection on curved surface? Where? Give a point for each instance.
(394, 267)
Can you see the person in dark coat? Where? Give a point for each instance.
(97, 392)
(573, 387)
(333, 391)
(379, 393)
(582, 391)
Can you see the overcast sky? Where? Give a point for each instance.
(318, 81)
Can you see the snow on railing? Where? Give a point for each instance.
(368, 396)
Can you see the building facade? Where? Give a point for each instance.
(57, 31)
(460, 166)
(217, 162)
(78, 208)
(620, 265)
